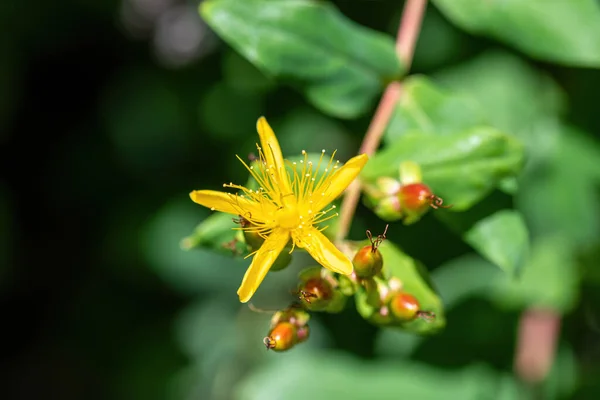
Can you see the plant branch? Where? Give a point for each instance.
(406, 39)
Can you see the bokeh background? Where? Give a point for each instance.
(111, 112)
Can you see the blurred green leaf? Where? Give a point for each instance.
(550, 279)
(323, 376)
(502, 238)
(465, 277)
(145, 120)
(243, 76)
(461, 168)
(428, 109)
(513, 96)
(561, 195)
(340, 66)
(562, 380)
(298, 123)
(415, 280)
(565, 32)
(188, 272)
(440, 42)
(222, 101)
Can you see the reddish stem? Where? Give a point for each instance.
(536, 344)
(406, 39)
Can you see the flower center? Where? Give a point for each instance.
(287, 217)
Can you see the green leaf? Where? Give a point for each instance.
(461, 168)
(512, 95)
(340, 66)
(323, 376)
(502, 238)
(565, 32)
(550, 279)
(188, 272)
(426, 108)
(564, 199)
(415, 280)
(465, 277)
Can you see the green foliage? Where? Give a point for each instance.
(502, 238)
(565, 32)
(549, 281)
(340, 66)
(491, 134)
(426, 108)
(351, 379)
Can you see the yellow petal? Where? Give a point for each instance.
(228, 203)
(340, 180)
(262, 261)
(324, 252)
(272, 153)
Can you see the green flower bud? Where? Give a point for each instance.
(388, 208)
(283, 260)
(382, 198)
(410, 172)
(347, 284)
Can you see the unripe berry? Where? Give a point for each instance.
(367, 262)
(282, 337)
(315, 293)
(404, 306)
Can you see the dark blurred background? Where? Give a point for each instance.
(111, 112)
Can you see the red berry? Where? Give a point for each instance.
(415, 197)
(282, 337)
(404, 306)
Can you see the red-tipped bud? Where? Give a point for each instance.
(367, 262)
(282, 337)
(316, 293)
(415, 198)
(404, 306)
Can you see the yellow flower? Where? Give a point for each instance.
(287, 205)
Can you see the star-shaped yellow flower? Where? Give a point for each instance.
(287, 205)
